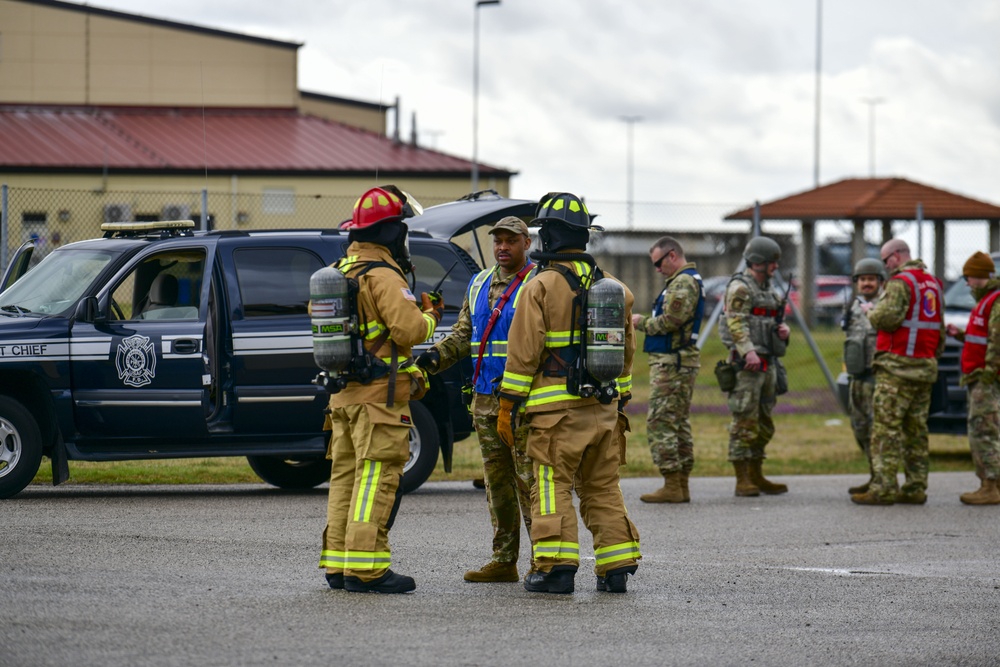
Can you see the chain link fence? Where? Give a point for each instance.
(56, 217)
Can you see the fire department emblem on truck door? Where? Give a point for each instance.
(136, 361)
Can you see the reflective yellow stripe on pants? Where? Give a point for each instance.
(617, 552)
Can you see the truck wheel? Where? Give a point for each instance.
(291, 473)
(20, 447)
(424, 445)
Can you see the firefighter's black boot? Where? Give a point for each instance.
(557, 580)
(335, 580)
(616, 581)
(390, 582)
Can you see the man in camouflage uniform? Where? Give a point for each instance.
(911, 337)
(674, 359)
(508, 471)
(756, 340)
(859, 354)
(980, 368)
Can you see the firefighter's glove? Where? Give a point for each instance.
(623, 400)
(429, 360)
(509, 405)
(429, 304)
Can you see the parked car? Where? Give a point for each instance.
(159, 342)
(832, 293)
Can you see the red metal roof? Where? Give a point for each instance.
(873, 199)
(53, 138)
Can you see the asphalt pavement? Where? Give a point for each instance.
(227, 575)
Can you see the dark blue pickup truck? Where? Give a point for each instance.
(158, 342)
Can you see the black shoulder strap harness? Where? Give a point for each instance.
(365, 364)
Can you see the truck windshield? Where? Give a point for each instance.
(56, 283)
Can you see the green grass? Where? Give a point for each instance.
(805, 444)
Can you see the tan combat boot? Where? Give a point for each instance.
(765, 485)
(744, 486)
(494, 571)
(672, 490)
(684, 486)
(987, 494)
(863, 488)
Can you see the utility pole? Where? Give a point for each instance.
(872, 102)
(630, 122)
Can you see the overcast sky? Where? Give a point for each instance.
(725, 88)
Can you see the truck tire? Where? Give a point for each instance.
(291, 473)
(425, 442)
(20, 447)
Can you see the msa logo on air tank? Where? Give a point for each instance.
(136, 361)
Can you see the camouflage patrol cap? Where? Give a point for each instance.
(511, 224)
(980, 265)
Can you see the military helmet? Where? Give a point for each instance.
(762, 250)
(566, 208)
(869, 266)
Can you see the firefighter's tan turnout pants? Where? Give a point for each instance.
(575, 448)
(368, 448)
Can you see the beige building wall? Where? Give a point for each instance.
(50, 55)
(368, 118)
(65, 208)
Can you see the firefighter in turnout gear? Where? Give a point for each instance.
(981, 377)
(370, 416)
(751, 331)
(571, 417)
(482, 331)
(859, 354)
(911, 337)
(674, 359)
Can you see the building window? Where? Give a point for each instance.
(278, 200)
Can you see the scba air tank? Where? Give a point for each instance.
(329, 295)
(606, 330)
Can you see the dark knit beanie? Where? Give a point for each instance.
(980, 265)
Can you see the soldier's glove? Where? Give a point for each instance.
(429, 360)
(433, 306)
(509, 406)
(988, 375)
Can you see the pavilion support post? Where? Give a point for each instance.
(994, 235)
(939, 249)
(859, 249)
(886, 230)
(807, 272)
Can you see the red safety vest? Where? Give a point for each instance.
(974, 350)
(919, 334)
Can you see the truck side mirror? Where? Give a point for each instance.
(89, 311)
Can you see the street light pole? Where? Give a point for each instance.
(475, 93)
(871, 102)
(630, 122)
(819, 73)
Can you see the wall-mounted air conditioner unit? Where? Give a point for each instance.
(117, 213)
(176, 212)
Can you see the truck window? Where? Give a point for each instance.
(164, 286)
(275, 281)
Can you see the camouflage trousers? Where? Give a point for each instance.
(508, 473)
(899, 434)
(668, 423)
(984, 428)
(751, 404)
(862, 396)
